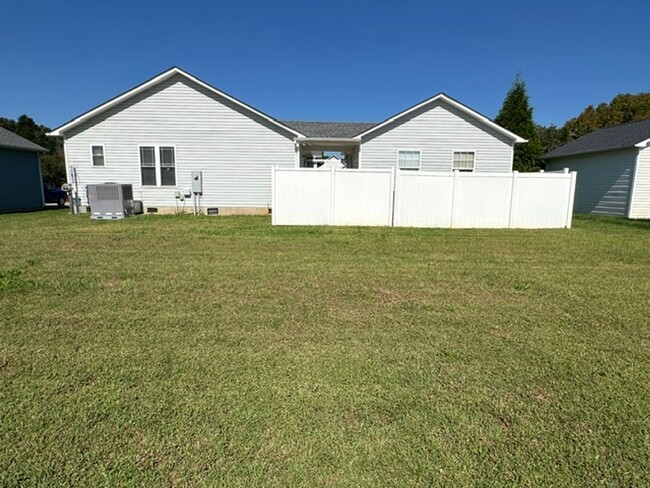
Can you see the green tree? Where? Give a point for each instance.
(550, 137)
(52, 162)
(516, 115)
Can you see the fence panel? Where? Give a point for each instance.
(362, 197)
(482, 200)
(301, 197)
(542, 200)
(422, 199)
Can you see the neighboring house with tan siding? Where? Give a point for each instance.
(613, 167)
(156, 134)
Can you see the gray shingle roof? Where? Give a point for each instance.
(13, 141)
(617, 137)
(329, 129)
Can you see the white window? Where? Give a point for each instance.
(463, 160)
(148, 165)
(167, 166)
(158, 165)
(97, 154)
(408, 160)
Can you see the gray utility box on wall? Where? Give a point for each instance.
(197, 182)
(111, 201)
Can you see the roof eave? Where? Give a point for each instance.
(643, 143)
(354, 140)
(37, 149)
(594, 151)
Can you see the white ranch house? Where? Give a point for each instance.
(156, 134)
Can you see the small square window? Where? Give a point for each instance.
(464, 160)
(98, 155)
(409, 160)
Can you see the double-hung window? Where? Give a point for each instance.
(409, 160)
(148, 165)
(97, 154)
(167, 166)
(464, 160)
(158, 165)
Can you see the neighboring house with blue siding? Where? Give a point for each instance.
(20, 173)
(613, 167)
(155, 135)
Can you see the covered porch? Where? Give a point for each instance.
(329, 144)
(323, 152)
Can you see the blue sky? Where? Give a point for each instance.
(331, 60)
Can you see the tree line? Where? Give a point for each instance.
(516, 115)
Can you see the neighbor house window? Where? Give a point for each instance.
(408, 160)
(97, 155)
(463, 160)
(167, 166)
(148, 165)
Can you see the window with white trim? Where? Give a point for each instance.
(409, 160)
(158, 165)
(464, 160)
(148, 165)
(167, 166)
(97, 153)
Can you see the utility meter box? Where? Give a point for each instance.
(197, 182)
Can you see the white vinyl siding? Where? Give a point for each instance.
(409, 160)
(233, 148)
(640, 208)
(438, 130)
(604, 180)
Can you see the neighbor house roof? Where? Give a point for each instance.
(337, 130)
(154, 81)
(11, 140)
(454, 103)
(632, 134)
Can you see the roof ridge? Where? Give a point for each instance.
(327, 121)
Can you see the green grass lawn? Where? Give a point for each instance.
(224, 351)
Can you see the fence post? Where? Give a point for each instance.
(513, 198)
(453, 198)
(393, 195)
(273, 191)
(572, 192)
(332, 194)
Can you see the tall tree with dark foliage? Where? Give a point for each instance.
(516, 115)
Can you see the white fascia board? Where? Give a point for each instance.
(453, 103)
(643, 143)
(154, 81)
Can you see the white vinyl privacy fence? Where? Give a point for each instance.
(385, 197)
